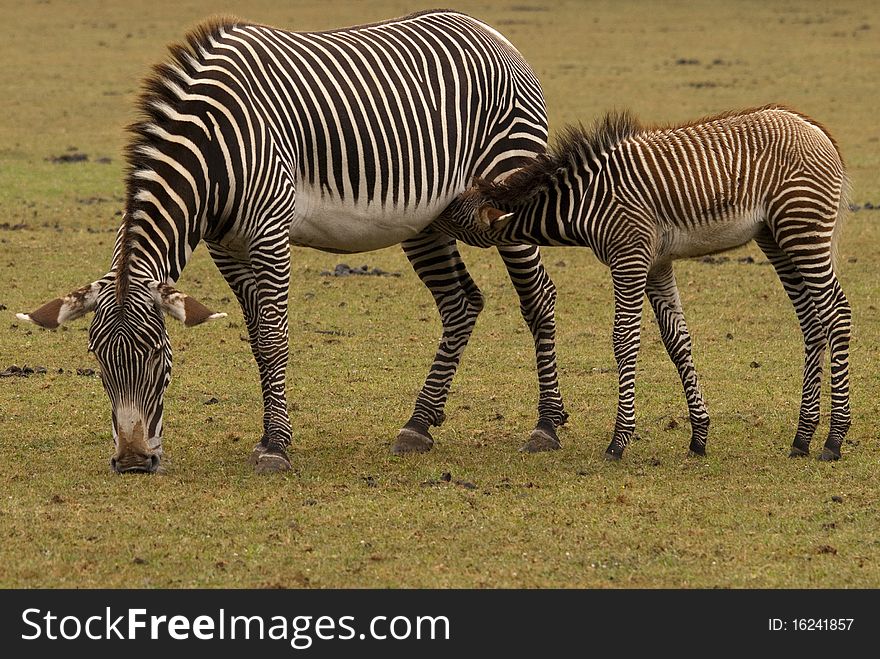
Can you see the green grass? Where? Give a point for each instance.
(350, 514)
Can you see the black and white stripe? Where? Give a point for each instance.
(641, 198)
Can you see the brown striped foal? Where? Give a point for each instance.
(643, 197)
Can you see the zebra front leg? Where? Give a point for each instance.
(663, 295)
(261, 290)
(436, 261)
(537, 296)
(237, 272)
(629, 281)
(271, 266)
(814, 341)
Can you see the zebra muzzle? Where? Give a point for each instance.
(135, 464)
(135, 453)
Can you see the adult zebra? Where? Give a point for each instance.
(253, 138)
(642, 197)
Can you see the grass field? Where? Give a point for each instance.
(352, 515)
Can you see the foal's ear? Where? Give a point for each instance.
(492, 218)
(71, 306)
(186, 309)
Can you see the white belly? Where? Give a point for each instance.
(328, 224)
(716, 236)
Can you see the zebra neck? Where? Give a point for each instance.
(551, 218)
(148, 250)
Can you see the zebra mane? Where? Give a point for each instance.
(575, 145)
(154, 95)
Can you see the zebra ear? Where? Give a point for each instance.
(71, 306)
(184, 308)
(492, 218)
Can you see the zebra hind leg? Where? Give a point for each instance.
(436, 261)
(838, 328)
(814, 342)
(537, 296)
(663, 295)
(834, 312)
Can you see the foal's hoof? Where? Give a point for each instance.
(543, 438)
(409, 440)
(614, 452)
(797, 452)
(272, 462)
(829, 455)
(696, 450)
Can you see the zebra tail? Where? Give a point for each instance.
(843, 211)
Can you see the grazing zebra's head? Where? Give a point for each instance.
(131, 345)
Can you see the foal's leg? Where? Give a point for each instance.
(537, 296)
(663, 295)
(839, 323)
(435, 258)
(629, 280)
(261, 287)
(814, 262)
(814, 340)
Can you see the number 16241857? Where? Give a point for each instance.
(810, 624)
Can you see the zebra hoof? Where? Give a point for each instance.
(614, 452)
(829, 455)
(409, 440)
(798, 453)
(272, 462)
(254, 457)
(543, 438)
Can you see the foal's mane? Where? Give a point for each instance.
(577, 145)
(574, 146)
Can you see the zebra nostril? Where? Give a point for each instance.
(154, 463)
(113, 465)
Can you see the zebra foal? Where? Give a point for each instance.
(253, 138)
(643, 197)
